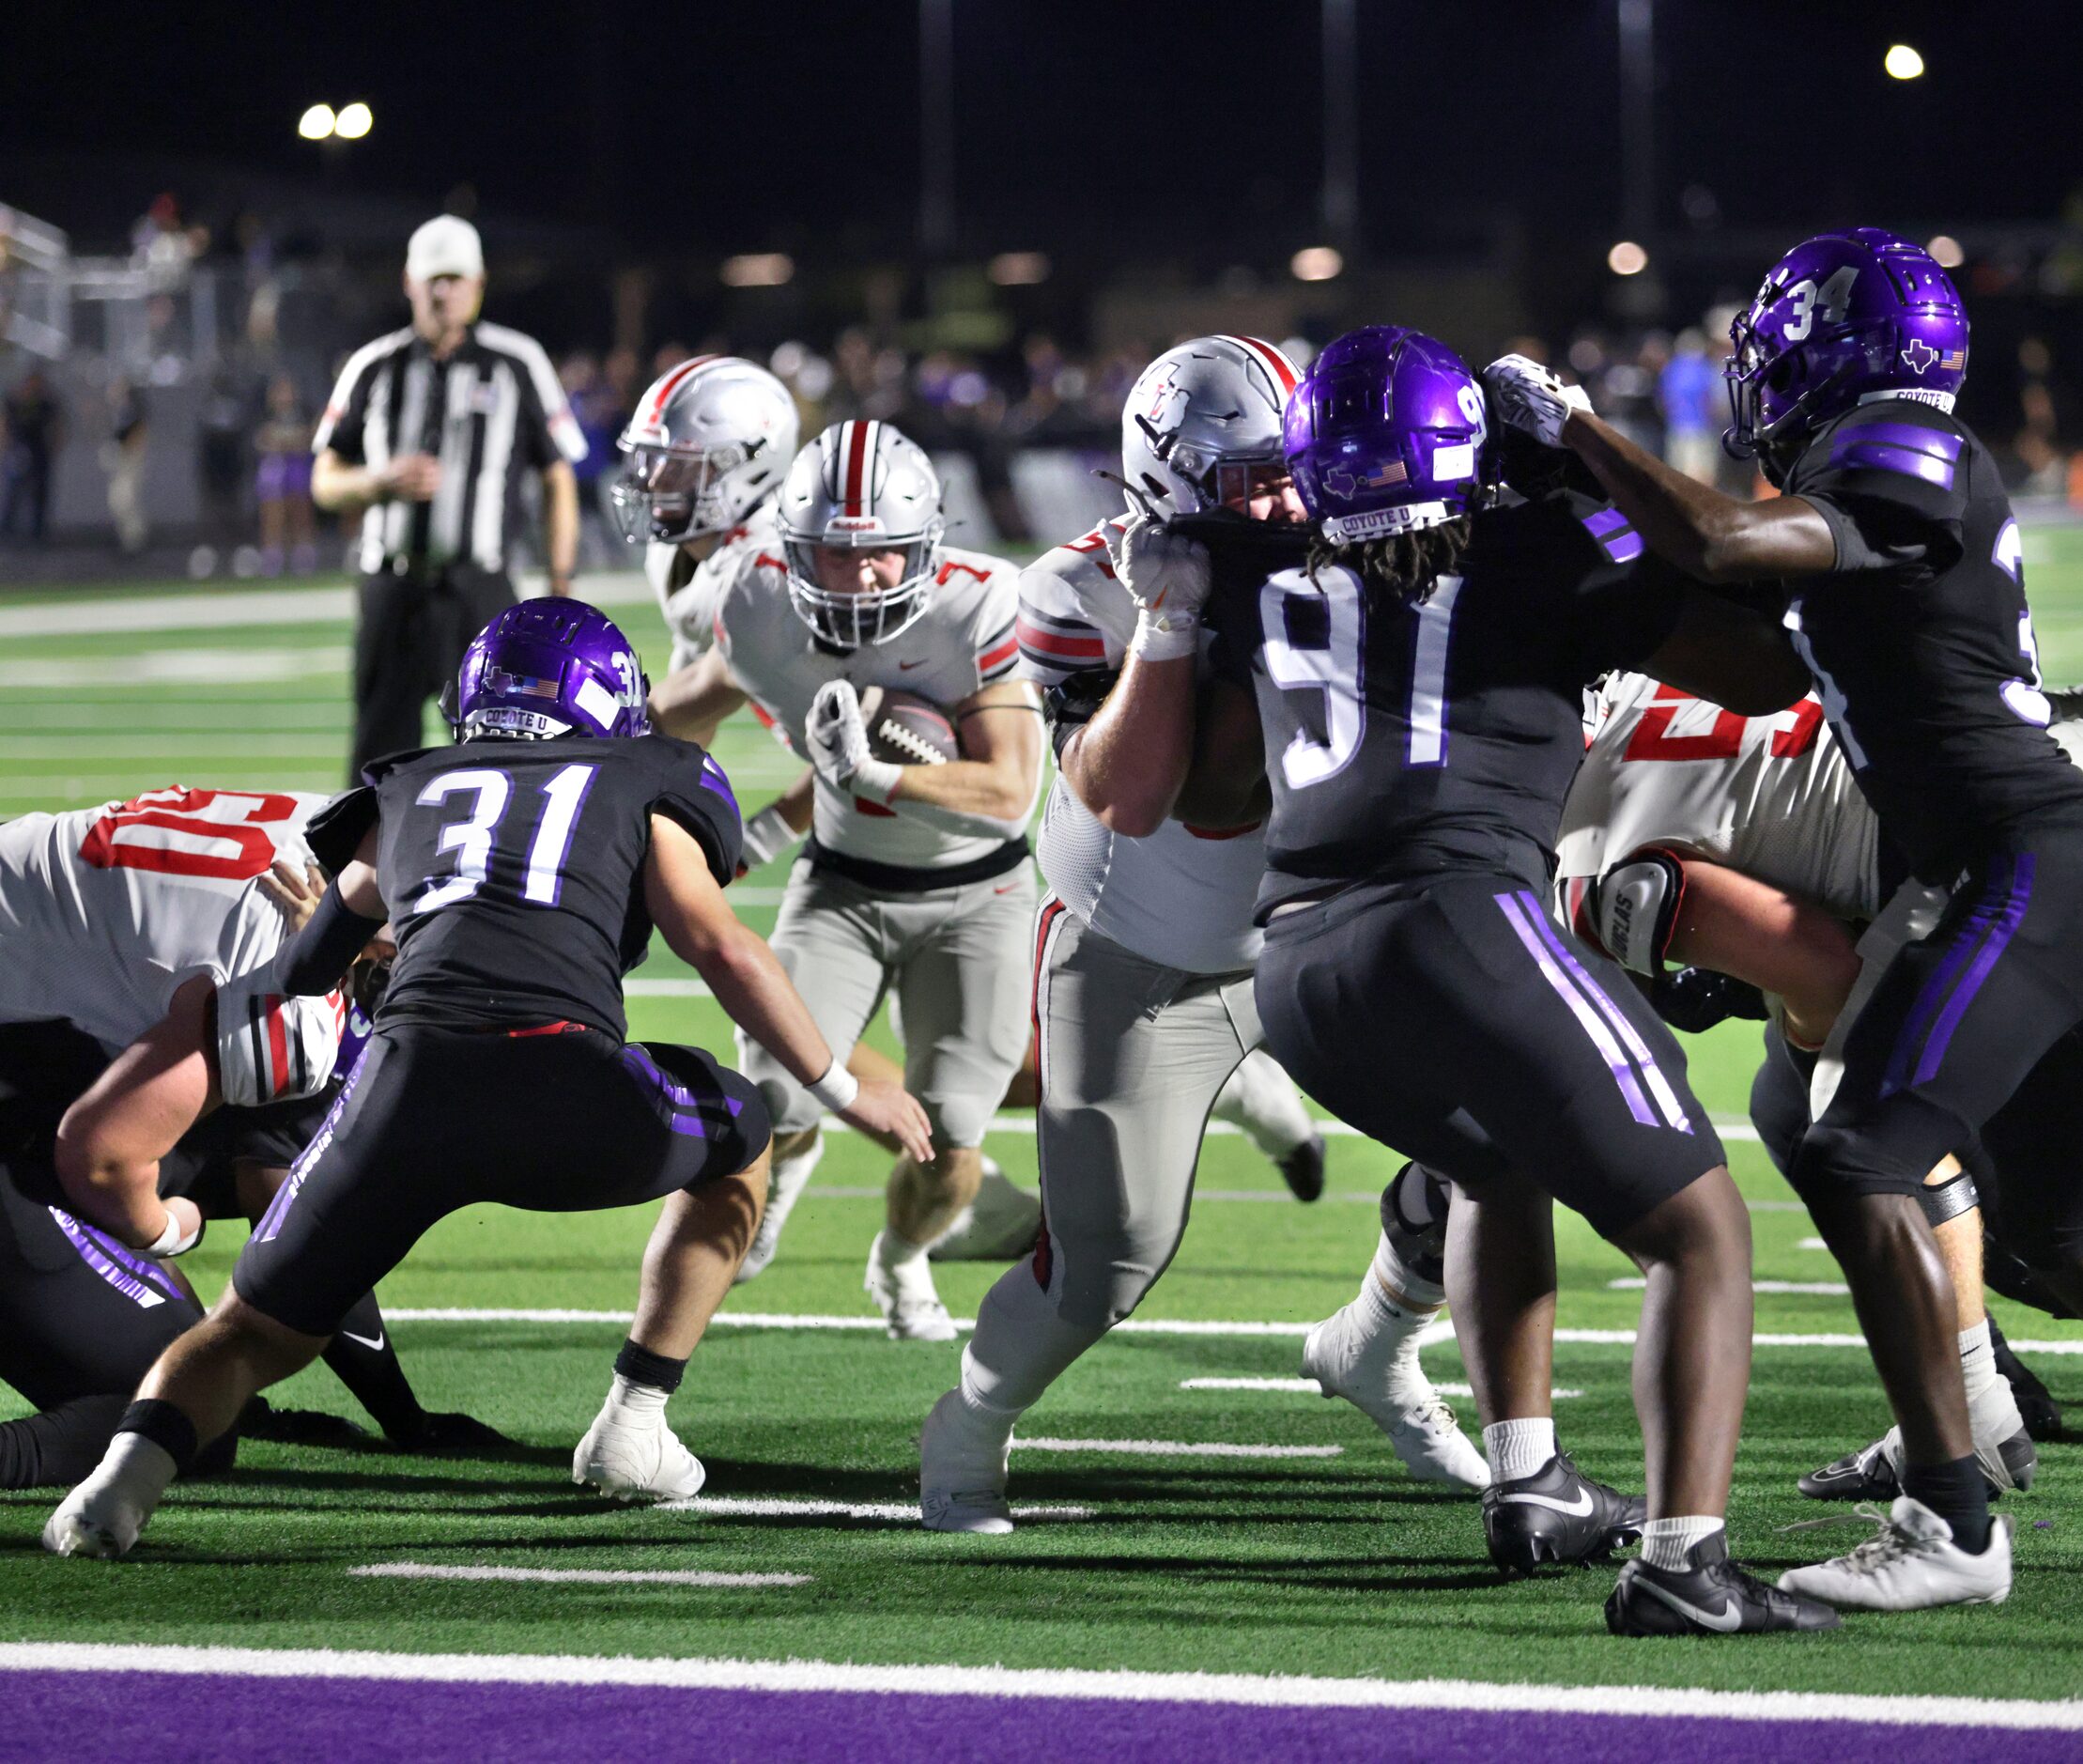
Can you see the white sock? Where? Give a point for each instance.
(1389, 1270)
(632, 1402)
(1977, 1359)
(1667, 1543)
(1519, 1448)
(1261, 1100)
(135, 1470)
(896, 1251)
(1992, 1405)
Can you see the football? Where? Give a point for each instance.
(907, 730)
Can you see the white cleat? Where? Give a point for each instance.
(1912, 1564)
(791, 1176)
(961, 1470)
(92, 1520)
(999, 1225)
(903, 1292)
(1380, 1375)
(630, 1457)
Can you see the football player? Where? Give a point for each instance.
(1145, 949)
(916, 879)
(1416, 663)
(524, 871)
(1903, 574)
(1744, 846)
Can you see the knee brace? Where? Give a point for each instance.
(1948, 1199)
(1413, 1219)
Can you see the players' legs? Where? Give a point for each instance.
(1501, 1281)
(394, 669)
(1263, 1101)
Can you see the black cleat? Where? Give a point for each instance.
(1301, 1169)
(1870, 1474)
(1557, 1516)
(2036, 1407)
(1710, 1596)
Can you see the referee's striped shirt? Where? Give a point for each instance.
(492, 409)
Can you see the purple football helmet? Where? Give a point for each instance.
(1386, 434)
(547, 668)
(1841, 319)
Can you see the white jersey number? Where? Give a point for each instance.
(473, 836)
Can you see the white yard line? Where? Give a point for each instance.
(583, 1576)
(776, 1507)
(1811, 1289)
(1174, 1448)
(177, 667)
(1622, 1702)
(1309, 1387)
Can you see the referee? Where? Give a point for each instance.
(424, 438)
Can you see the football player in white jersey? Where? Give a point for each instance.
(1744, 846)
(1145, 951)
(916, 881)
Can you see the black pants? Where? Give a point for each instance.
(433, 1119)
(1465, 1029)
(408, 643)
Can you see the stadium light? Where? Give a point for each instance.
(1902, 62)
(1019, 269)
(1316, 263)
(318, 122)
(757, 269)
(1627, 259)
(1946, 249)
(354, 121)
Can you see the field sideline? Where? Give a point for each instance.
(1294, 1592)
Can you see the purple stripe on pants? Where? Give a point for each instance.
(172, 1717)
(132, 1275)
(1930, 999)
(1522, 919)
(2015, 909)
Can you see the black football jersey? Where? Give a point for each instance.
(514, 870)
(1919, 640)
(1405, 739)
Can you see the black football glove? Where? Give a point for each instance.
(1694, 999)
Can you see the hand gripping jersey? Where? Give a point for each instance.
(106, 912)
(1919, 640)
(689, 595)
(1406, 739)
(1179, 898)
(514, 870)
(1771, 797)
(964, 642)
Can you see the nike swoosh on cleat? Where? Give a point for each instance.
(374, 1347)
(1578, 1509)
(1726, 1619)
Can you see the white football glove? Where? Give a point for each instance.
(839, 746)
(1533, 399)
(767, 835)
(1166, 574)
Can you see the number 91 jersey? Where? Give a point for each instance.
(1405, 738)
(106, 912)
(514, 870)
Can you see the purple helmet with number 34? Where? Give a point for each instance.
(1843, 319)
(1386, 434)
(548, 668)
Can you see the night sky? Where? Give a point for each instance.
(1091, 131)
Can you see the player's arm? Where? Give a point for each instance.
(693, 702)
(1731, 655)
(560, 523)
(111, 1140)
(780, 825)
(1129, 762)
(696, 921)
(1226, 784)
(991, 790)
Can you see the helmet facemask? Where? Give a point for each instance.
(875, 615)
(674, 494)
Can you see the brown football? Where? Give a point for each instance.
(907, 730)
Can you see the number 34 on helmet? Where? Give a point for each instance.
(548, 668)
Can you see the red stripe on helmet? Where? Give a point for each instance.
(853, 443)
(671, 384)
(1281, 369)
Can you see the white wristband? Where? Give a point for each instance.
(1168, 637)
(876, 779)
(837, 1088)
(170, 1242)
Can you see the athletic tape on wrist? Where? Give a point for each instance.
(170, 1242)
(837, 1088)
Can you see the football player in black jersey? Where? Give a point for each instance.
(523, 872)
(1902, 568)
(1418, 660)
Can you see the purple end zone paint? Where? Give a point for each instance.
(171, 1717)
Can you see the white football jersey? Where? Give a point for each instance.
(1180, 897)
(105, 912)
(689, 601)
(1769, 796)
(962, 642)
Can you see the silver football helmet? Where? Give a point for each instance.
(1201, 418)
(707, 445)
(861, 487)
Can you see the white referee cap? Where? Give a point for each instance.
(446, 245)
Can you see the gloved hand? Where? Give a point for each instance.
(1532, 398)
(839, 746)
(767, 835)
(1168, 575)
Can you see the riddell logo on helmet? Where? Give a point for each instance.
(854, 523)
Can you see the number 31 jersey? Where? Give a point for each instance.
(106, 912)
(1404, 739)
(514, 870)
